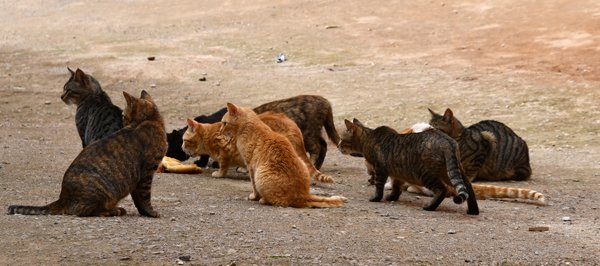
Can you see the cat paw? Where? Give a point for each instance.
(324, 178)
(253, 196)
(392, 197)
(375, 198)
(217, 174)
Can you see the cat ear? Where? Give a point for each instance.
(232, 109)
(349, 124)
(448, 115)
(71, 71)
(433, 114)
(144, 95)
(82, 78)
(191, 124)
(128, 98)
(356, 122)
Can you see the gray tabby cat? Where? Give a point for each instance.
(96, 116)
(489, 149)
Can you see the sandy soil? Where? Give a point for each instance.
(530, 64)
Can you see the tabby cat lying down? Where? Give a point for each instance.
(113, 167)
(311, 113)
(428, 159)
(205, 139)
(278, 175)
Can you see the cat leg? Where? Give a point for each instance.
(203, 161)
(141, 196)
(439, 191)
(223, 167)
(322, 152)
(473, 209)
(380, 178)
(396, 189)
(118, 211)
(254, 195)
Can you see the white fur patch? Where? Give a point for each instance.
(420, 127)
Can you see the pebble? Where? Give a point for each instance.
(179, 262)
(566, 219)
(451, 232)
(202, 79)
(47, 102)
(151, 58)
(152, 85)
(185, 257)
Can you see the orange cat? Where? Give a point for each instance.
(202, 139)
(278, 175)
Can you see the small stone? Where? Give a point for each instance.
(566, 219)
(179, 262)
(185, 257)
(451, 232)
(542, 228)
(260, 231)
(172, 219)
(47, 102)
(202, 79)
(211, 213)
(125, 258)
(294, 226)
(151, 58)
(152, 85)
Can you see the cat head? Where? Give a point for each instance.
(192, 138)
(350, 140)
(234, 117)
(139, 110)
(447, 123)
(79, 86)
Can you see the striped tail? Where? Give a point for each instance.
(33, 210)
(492, 191)
(330, 128)
(315, 201)
(317, 175)
(456, 176)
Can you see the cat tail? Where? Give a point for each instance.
(52, 208)
(315, 201)
(498, 192)
(330, 128)
(317, 175)
(491, 139)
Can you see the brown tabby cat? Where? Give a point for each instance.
(277, 174)
(111, 168)
(96, 116)
(489, 149)
(311, 113)
(428, 159)
(200, 139)
(481, 191)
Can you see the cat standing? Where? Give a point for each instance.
(201, 139)
(96, 116)
(277, 174)
(428, 159)
(489, 149)
(111, 168)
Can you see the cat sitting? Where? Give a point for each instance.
(205, 139)
(96, 116)
(111, 168)
(278, 175)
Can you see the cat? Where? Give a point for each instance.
(489, 149)
(175, 139)
(278, 175)
(200, 139)
(481, 191)
(96, 116)
(310, 112)
(428, 159)
(111, 168)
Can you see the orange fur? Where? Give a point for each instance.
(278, 175)
(205, 139)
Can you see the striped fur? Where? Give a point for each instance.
(483, 192)
(278, 176)
(428, 159)
(111, 168)
(96, 116)
(489, 149)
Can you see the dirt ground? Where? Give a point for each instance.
(530, 64)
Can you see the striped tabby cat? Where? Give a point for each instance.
(428, 159)
(278, 175)
(489, 149)
(201, 139)
(96, 116)
(111, 168)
